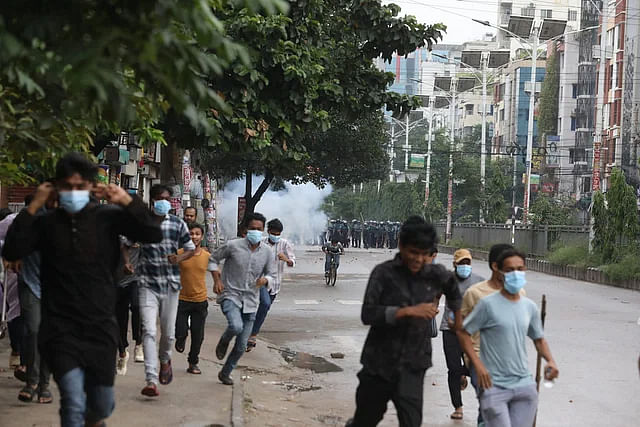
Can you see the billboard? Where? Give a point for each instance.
(416, 161)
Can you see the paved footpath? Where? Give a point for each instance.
(190, 400)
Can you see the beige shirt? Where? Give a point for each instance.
(470, 299)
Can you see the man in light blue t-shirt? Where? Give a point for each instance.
(504, 319)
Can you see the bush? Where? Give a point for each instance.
(577, 255)
(626, 269)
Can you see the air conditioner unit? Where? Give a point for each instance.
(130, 169)
(615, 132)
(145, 170)
(135, 153)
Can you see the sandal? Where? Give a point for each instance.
(44, 395)
(180, 344)
(194, 369)
(166, 373)
(251, 344)
(20, 373)
(27, 393)
(457, 415)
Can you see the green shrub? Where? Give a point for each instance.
(570, 255)
(626, 269)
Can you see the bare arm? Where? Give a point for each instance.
(551, 371)
(484, 378)
(218, 286)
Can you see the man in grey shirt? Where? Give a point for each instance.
(248, 265)
(452, 350)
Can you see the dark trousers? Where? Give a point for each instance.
(455, 365)
(127, 299)
(196, 312)
(37, 369)
(16, 335)
(374, 392)
(266, 299)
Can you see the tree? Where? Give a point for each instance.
(548, 111)
(72, 70)
(297, 84)
(546, 210)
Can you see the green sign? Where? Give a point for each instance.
(416, 161)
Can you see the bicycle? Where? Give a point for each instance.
(333, 273)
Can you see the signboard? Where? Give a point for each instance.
(535, 179)
(242, 207)
(553, 152)
(416, 161)
(595, 179)
(186, 178)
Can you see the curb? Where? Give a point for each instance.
(237, 402)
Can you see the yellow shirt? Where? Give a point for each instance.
(470, 299)
(193, 273)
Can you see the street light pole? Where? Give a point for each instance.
(532, 104)
(407, 147)
(452, 107)
(391, 151)
(432, 102)
(483, 144)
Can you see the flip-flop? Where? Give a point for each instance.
(194, 369)
(457, 415)
(20, 374)
(27, 393)
(44, 396)
(166, 374)
(251, 344)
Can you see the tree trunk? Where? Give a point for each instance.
(253, 199)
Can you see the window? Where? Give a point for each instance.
(574, 90)
(573, 123)
(490, 112)
(571, 156)
(573, 15)
(528, 11)
(502, 114)
(468, 109)
(559, 124)
(546, 13)
(561, 93)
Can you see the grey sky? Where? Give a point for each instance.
(455, 14)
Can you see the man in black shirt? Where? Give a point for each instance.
(80, 249)
(399, 303)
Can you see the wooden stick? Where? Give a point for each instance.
(543, 315)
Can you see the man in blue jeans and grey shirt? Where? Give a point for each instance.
(249, 264)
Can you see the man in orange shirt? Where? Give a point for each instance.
(193, 302)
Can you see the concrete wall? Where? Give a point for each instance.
(533, 240)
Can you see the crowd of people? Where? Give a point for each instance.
(486, 321)
(87, 258)
(359, 234)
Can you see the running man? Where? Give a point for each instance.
(283, 252)
(399, 303)
(80, 248)
(332, 252)
(193, 306)
(457, 375)
(249, 264)
(504, 319)
(160, 287)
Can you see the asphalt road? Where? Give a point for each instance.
(593, 331)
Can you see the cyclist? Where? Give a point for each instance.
(333, 251)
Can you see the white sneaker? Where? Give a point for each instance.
(121, 367)
(139, 354)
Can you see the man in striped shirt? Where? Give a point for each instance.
(283, 252)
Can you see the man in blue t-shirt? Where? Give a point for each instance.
(504, 319)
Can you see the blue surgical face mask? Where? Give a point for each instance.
(274, 238)
(254, 236)
(73, 201)
(463, 271)
(514, 281)
(161, 207)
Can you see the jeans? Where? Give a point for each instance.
(37, 369)
(81, 402)
(476, 386)
(453, 356)
(374, 392)
(152, 305)
(197, 312)
(502, 407)
(239, 325)
(127, 300)
(327, 261)
(266, 299)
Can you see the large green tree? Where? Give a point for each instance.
(306, 73)
(549, 94)
(74, 70)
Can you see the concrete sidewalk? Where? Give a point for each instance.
(190, 400)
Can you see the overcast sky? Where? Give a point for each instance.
(455, 14)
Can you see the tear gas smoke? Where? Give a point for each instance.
(299, 207)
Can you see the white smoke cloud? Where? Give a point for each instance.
(297, 206)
